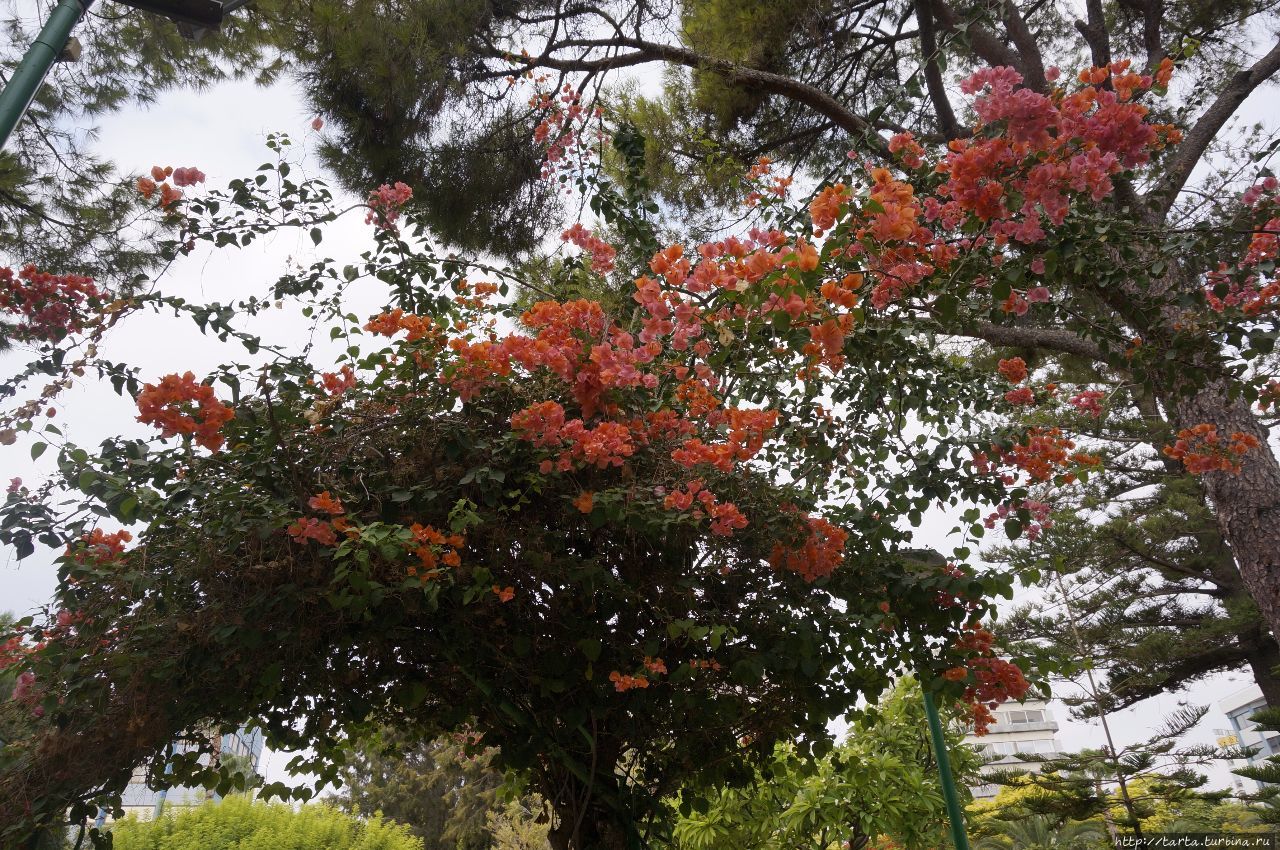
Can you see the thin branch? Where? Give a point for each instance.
(1169, 566)
(989, 47)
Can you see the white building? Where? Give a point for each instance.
(1027, 728)
(1237, 707)
(145, 803)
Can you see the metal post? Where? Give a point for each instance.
(949, 793)
(163, 792)
(35, 65)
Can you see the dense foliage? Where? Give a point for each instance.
(648, 533)
(238, 823)
(879, 785)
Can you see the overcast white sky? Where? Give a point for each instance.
(222, 132)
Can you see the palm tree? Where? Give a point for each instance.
(1042, 832)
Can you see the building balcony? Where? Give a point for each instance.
(1012, 760)
(1007, 728)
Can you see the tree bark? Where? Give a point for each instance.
(597, 830)
(1247, 503)
(1263, 661)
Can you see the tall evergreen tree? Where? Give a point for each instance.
(1158, 602)
(441, 792)
(1123, 783)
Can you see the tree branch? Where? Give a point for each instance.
(1188, 154)
(933, 72)
(1178, 671)
(644, 52)
(1051, 339)
(1095, 33)
(1032, 63)
(989, 47)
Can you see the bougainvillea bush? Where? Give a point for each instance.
(599, 542)
(628, 540)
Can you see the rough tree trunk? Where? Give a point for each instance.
(1196, 388)
(1263, 661)
(1247, 504)
(598, 830)
(582, 819)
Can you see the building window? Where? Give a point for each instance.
(1019, 717)
(1000, 749)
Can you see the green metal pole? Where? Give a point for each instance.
(949, 793)
(46, 49)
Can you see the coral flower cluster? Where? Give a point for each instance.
(98, 547)
(181, 405)
(1202, 449)
(159, 182)
(48, 306)
(385, 203)
(991, 680)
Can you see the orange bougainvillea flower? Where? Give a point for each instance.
(624, 682)
(655, 666)
(807, 258)
(310, 528)
(825, 208)
(98, 547)
(1014, 370)
(180, 405)
(819, 553)
(1201, 449)
(326, 504)
(504, 594)
(585, 502)
(169, 195)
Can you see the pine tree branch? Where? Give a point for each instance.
(644, 52)
(1189, 153)
(989, 47)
